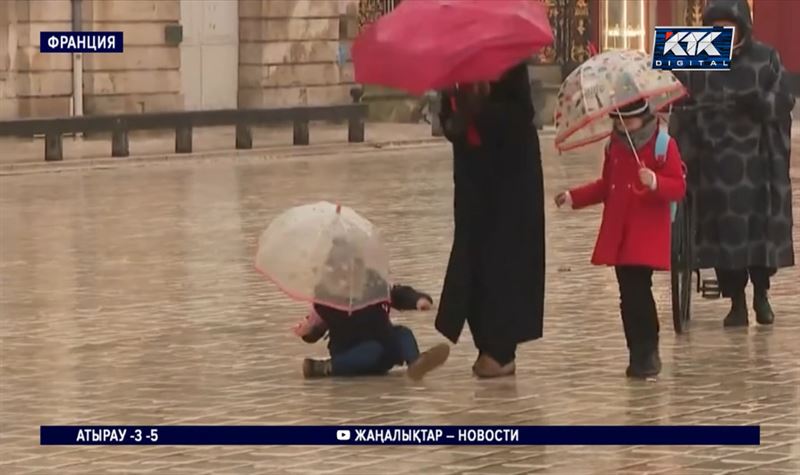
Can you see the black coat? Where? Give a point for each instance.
(495, 276)
(736, 142)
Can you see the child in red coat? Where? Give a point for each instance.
(635, 232)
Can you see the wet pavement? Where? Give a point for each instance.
(129, 297)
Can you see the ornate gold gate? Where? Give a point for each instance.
(571, 21)
(371, 10)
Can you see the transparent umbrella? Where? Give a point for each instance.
(327, 254)
(603, 84)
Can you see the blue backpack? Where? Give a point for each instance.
(662, 142)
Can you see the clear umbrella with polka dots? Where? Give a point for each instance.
(326, 254)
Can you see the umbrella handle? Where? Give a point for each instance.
(638, 188)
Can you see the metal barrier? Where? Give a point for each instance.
(185, 121)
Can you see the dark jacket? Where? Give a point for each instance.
(495, 276)
(734, 134)
(346, 330)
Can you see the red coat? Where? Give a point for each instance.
(636, 228)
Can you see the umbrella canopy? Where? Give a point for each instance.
(434, 44)
(603, 84)
(325, 254)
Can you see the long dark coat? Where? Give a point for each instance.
(495, 275)
(736, 143)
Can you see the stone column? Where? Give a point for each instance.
(289, 52)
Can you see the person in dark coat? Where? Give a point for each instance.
(495, 276)
(734, 135)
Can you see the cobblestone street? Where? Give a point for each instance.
(129, 297)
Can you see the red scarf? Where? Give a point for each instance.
(473, 138)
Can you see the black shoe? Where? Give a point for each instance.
(737, 317)
(764, 314)
(316, 368)
(645, 363)
(632, 359)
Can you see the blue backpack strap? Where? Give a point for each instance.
(662, 142)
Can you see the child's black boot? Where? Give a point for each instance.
(645, 361)
(737, 317)
(316, 368)
(764, 314)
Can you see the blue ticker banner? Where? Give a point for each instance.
(400, 435)
(80, 42)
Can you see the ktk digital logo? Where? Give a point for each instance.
(702, 48)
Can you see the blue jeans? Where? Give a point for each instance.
(368, 357)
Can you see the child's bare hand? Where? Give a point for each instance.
(299, 329)
(562, 198)
(648, 178)
(424, 304)
(304, 327)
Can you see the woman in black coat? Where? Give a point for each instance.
(738, 147)
(495, 276)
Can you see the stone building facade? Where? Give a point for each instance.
(201, 54)
(179, 54)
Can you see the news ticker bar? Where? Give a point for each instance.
(400, 435)
(80, 42)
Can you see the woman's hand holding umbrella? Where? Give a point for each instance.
(470, 97)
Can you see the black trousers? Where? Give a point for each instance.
(733, 282)
(502, 351)
(487, 335)
(637, 306)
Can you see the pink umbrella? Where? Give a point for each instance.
(434, 44)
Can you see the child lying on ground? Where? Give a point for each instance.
(365, 342)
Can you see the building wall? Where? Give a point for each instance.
(146, 76)
(289, 52)
(36, 84)
(8, 47)
(775, 22)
